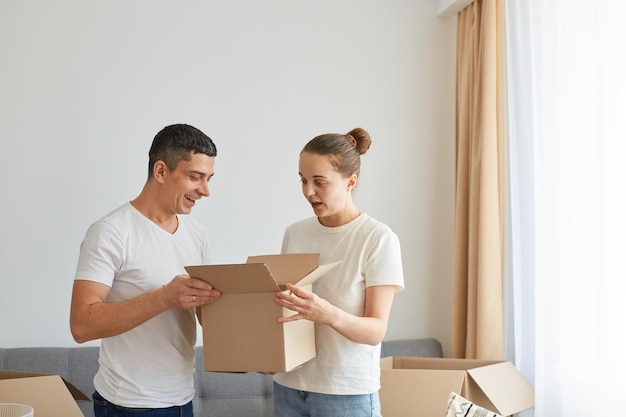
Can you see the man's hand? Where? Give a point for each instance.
(184, 292)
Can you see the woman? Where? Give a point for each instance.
(350, 305)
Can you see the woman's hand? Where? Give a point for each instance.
(370, 328)
(306, 305)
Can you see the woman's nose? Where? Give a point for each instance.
(307, 190)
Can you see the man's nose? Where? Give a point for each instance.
(204, 190)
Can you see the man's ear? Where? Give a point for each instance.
(159, 171)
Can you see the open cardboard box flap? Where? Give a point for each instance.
(49, 395)
(76, 393)
(236, 278)
(489, 378)
(266, 273)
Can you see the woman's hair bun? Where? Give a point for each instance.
(360, 139)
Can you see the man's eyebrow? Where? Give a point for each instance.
(201, 173)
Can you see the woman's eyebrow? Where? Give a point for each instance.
(314, 176)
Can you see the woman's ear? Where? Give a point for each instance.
(352, 180)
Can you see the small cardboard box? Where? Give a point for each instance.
(49, 395)
(412, 386)
(240, 330)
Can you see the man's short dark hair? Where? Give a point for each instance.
(177, 142)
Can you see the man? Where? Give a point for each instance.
(130, 289)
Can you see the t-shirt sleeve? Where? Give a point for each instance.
(384, 266)
(101, 254)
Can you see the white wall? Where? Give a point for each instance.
(451, 7)
(85, 86)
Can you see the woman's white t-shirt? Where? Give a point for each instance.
(370, 255)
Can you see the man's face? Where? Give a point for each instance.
(188, 183)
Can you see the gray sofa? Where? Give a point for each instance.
(217, 394)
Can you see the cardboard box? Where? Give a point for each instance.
(412, 386)
(49, 395)
(240, 330)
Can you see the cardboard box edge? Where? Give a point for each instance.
(76, 393)
(527, 392)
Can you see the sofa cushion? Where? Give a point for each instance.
(217, 394)
(427, 347)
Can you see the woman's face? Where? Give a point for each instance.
(328, 191)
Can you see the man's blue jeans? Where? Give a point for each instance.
(103, 408)
(294, 403)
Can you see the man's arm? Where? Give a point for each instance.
(93, 318)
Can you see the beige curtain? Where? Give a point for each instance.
(478, 311)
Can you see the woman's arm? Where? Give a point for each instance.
(367, 329)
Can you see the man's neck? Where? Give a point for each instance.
(150, 208)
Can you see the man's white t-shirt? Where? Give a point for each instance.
(152, 365)
(370, 255)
